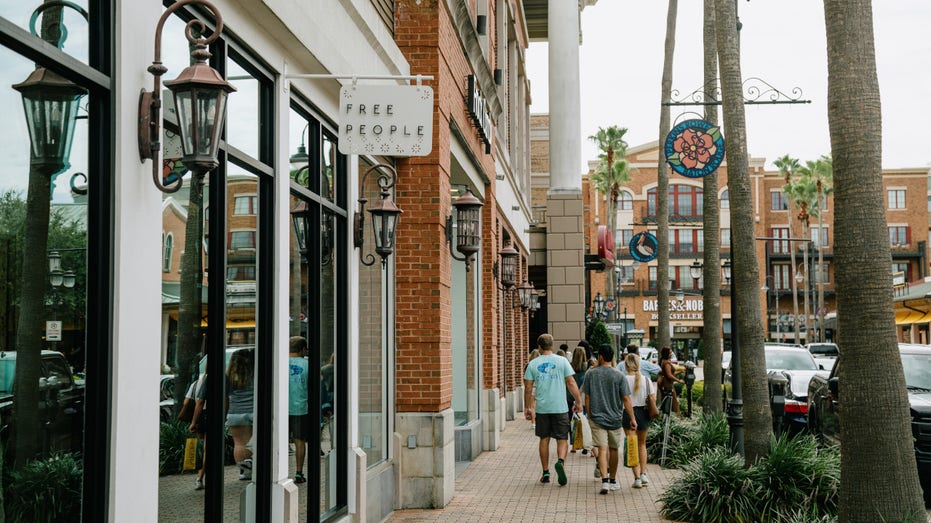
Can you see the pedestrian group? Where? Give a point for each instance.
(617, 403)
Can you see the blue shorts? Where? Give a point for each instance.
(239, 420)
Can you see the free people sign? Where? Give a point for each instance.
(387, 120)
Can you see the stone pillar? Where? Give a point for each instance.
(564, 235)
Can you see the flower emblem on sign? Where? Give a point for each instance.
(694, 148)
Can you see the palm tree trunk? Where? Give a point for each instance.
(757, 419)
(662, 185)
(711, 262)
(875, 431)
(190, 302)
(31, 319)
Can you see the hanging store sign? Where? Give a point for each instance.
(478, 112)
(643, 247)
(694, 148)
(387, 120)
(605, 246)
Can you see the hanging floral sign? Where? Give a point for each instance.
(694, 148)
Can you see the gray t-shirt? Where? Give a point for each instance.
(606, 388)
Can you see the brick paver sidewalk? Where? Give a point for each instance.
(504, 485)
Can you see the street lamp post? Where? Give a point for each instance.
(735, 405)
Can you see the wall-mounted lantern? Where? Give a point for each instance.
(384, 215)
(525, 294)
(508, 266)
(468, 223)
(200, 101)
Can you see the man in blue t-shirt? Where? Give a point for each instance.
(298, 416)
(545, 381)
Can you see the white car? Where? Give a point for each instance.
(652, 355)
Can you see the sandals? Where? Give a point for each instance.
(299, 478)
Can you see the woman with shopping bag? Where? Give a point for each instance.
(640, 395)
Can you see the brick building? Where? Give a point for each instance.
(635, 306)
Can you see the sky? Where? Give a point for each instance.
(783, 43)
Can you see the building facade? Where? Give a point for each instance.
(413, 364)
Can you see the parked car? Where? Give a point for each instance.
(651, 354)
(166, 405)
(797, 366)
(824, 406)
(825, 354)
(61, 402)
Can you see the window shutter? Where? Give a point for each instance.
(908, 235)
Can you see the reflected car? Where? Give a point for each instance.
(824, 406)
(61, 402)
(166, 405)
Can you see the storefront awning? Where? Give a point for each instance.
(908, 317)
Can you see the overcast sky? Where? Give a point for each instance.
(781, 42)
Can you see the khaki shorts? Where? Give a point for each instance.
(602, 437)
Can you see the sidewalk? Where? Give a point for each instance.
(504, 485)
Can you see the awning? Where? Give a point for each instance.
(908, 317)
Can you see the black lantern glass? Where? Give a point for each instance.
(384, 222)
(695, 270)
(508, 266)
(599, 304)
(200, 101)
(51, 105)
(299, 218)
(726, 271)
(468, 223)
(525, 293)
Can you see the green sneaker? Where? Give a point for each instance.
(561, 473)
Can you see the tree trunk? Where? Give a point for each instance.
(662, 186)
(31, 319)
(757, 419)
(874, 423)
(711, 263)
(192, 279)
(35, 278)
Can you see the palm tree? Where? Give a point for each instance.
(711, 221)
(870, 441)
(613, 170)
(757, 418)
(662, 184)
(788, 167)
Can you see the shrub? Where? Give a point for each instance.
(599, 335)
(796, 482)
(714, 487)
(698, 392)
(712, 433)
(797, 476)
(680, 429)
(46, 490)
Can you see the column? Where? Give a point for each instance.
(565, 227)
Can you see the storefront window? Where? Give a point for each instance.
(318, 279)
(44, 240)
(374, 361)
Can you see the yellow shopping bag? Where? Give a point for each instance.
(190, 454)
(577, 441)
(631, 453)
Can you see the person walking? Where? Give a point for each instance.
(298, 415)
(667, 378)
(580, 366)
(647, 368)
(197, 392)
(641, 389)
(240, 403)
(607, 397)
(545, 383)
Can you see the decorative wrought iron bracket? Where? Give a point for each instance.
(756, 91)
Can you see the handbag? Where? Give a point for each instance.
(577, 441)
(652, 409)
(190, 454)
(187, 411)
(586, 430)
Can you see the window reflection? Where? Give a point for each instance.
(242, 115)
(43, 302)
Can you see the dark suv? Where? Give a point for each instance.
(61, 401)
(823, 405)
